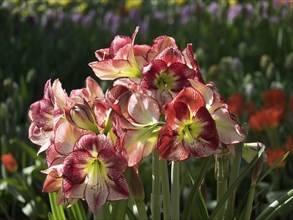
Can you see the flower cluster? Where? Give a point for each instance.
(159, 101)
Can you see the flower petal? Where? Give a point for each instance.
(113, 69)
(96, 196)
(229, 131)
(170, 55)
(207, 141)
(118, 189)
(168, 147)
(74, 166)
(143, 109)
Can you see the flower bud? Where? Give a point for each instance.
(256, 171)
(250, 150)
(81, 115)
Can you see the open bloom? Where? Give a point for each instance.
(94, 172)
(44, 114)
(189, 129)
(137, 126)
(122, 59)
(228, 129)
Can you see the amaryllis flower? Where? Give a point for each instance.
(168, 73)
(94, 172)
(122, 59)
(189, 129)
(228, 129)
(44, 114)
(137, 128)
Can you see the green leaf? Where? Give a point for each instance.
(200, 210)
(236, 183)
(195, 188)
(26, 148)
(271, 168)
(76, 211)
(277, 206)
(57, 210)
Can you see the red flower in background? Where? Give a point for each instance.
(9, 162)
(236, 103)
(265, 119)
(274, 155)
(275, 98)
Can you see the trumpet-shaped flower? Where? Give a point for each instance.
(122, 59)
(168, 74)
(138, 131)
(228, 129)
(94, 172)
(44, 114)
(189, 129)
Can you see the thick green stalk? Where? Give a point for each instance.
(175, 190)
(250, 201)
(103, 213)
(222, 172)
(234, 174)
(165, 189)
(141, 210)
(57, 210)
(156, 196)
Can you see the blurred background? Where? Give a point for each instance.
(245, 47)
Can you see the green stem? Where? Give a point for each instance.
(57, 210)
(234, 174)
(196, 186)
(165, 189)
(222, 170)
(103, 213)
(141, 210)
(276, 206)
(156, 197)
(250, 201)
(175, 190)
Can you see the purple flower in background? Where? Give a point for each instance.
(234, 12)
(263, 6)
(88, 19)
(76, 17)
(111, 22)
(62, 16)
(213, 9)
(184, 14)
(159, 15)
(134, 15)
(248, 9)
(144, 27)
